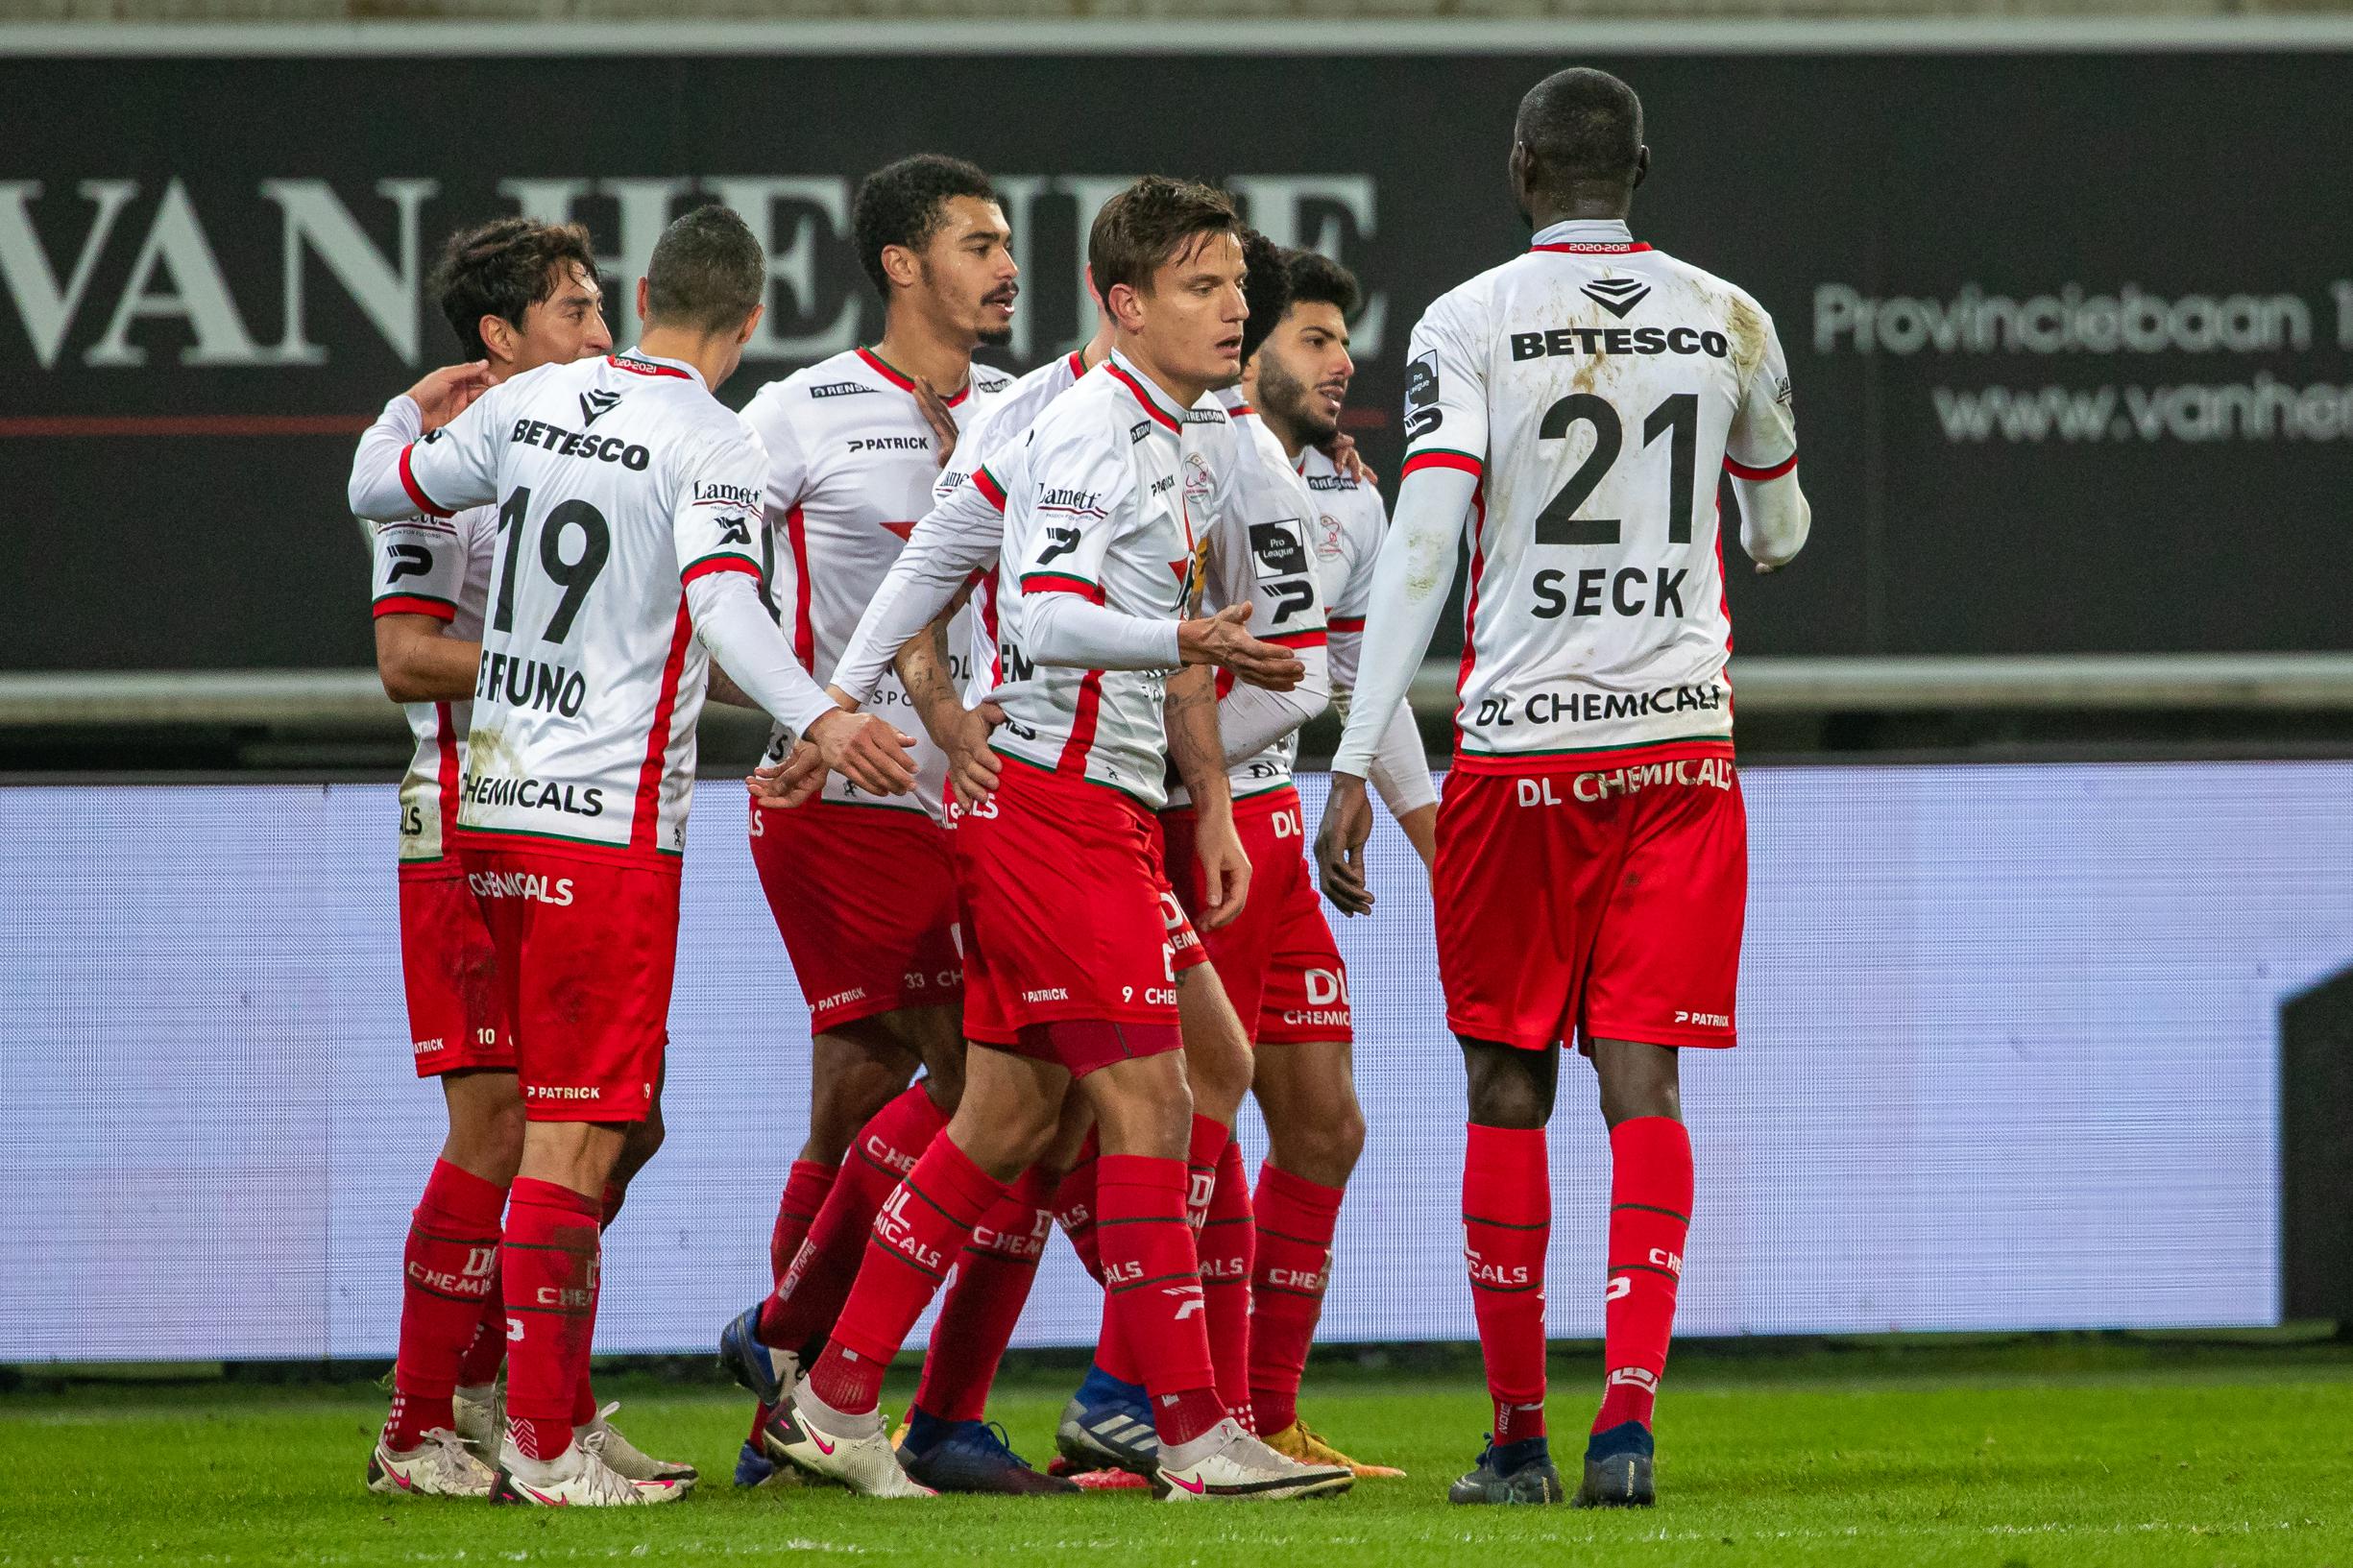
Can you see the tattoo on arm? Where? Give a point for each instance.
(925, 670)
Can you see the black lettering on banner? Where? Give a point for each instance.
(408, 561)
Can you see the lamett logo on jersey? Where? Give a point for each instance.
(740, 498)
(1619, 340)
(1069, 500)
(1618, 295)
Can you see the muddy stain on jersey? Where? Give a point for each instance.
(1747, 329)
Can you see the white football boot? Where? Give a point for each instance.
(1228, 1464)
(575, 1478)
(439, 1466)
(603, 1439)
(481, 1420)
(852, 1451)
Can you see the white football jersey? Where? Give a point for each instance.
(1004, 420)
(617, 481)
(1257, 554)
(851, 464)
(437, 567)
(1108, 496)
(1346, 522)
(1597, 388)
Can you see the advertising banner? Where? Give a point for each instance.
(2071, 334)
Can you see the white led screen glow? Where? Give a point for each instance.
(2009, 1061)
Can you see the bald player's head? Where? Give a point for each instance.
(1577, 147)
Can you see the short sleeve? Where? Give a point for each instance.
(717, 517)
(1069, 489)
(1764, 442)
(419, 568)
(1445, 391)
(457, 465)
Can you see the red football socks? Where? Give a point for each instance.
(920, 1230)
(1228, 1248)
(1650, 1212)
(551, 1279)
(809, 1297)
(983, 1301)
(450, 1265)
(1073, 1208)
(1507, 1223)
(803, 1194)
(1155, 1289)
(1296, 1218)
(487, 1353)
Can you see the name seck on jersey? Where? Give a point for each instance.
(617, 481)
(1597, 390)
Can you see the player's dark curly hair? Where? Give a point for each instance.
(502, 268)
(900, 204)
(707, 274)
(1150, 223)
(1265, 288)
(1316, 279)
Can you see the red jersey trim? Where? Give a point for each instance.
(986, 484)
(905, 383)
(1741, 471)
(1055, 582)
(1595, 249)
(416, 492)
(1150, 405)
(1082, 725)
(1471, 602)
(638, 367)
(1601, 758)
(708, 564)
(415, 604)
(1300, 640)
(445, 740)
(1439, 457)
(1077, 362)
(804, 630)
(642, 826)
(1345, 623)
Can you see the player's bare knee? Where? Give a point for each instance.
(1510, 1087)
(1638, 1080)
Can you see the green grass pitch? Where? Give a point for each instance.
(2079, 1452)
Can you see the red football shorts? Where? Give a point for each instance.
(1276, 959)
(457, 1016)
(1069, 951)
(587, 950)
(864, 897)
(1593, 898)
